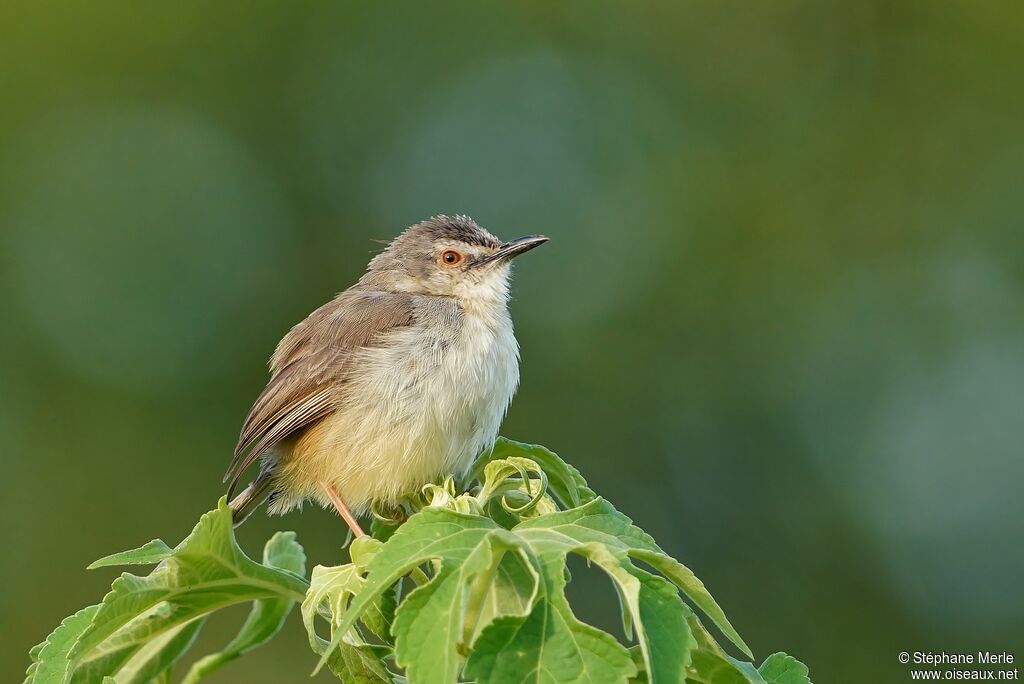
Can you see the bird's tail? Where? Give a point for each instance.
(251, 497)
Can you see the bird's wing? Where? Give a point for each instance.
(310, 365)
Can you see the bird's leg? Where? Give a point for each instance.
(346, 514)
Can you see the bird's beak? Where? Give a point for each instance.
(512, 248)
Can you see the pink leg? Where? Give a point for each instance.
(346, 514)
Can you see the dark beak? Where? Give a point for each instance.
(512, 248)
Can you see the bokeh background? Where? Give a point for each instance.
(780, 321)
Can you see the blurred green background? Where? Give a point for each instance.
(780, 322)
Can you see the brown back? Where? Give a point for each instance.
(309, 368)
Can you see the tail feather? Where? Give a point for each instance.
(250, 498)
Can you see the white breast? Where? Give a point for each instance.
(423, 406)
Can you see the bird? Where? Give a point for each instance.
(400, 379)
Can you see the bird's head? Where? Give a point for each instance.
(450, 257)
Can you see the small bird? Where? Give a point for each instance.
(401, 378)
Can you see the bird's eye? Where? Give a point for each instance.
(450, 257)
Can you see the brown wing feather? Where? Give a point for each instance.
(309, 367)
(287, 389)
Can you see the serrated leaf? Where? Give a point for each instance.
(103, 661)
(267, 615)
(657, 613)
(549, 646)
(284, 551)
(430, 534)
(707, 667)
(490, 599)
(596, 521)
(599, 521)
(206, 572)
(461, 546)
(140, 641)
(149, 553)
(52, 657)
(779, 668)
(381, 614)
(360, 664)
(684, 578)
(428, 625)
(577, 651)
(512, 590)
(157, 655)
(438, 620)
(331, 589)
(711, 665)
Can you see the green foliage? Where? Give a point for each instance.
(463, 582)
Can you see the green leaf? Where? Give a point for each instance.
(100, 663)
(779, 668)
(331, 588)
(550, 644)
(284, 551)
(595, 521)
(441, 617)
(511, 591)
(707, 667)
(156, 656)
(52, 663)
(489, 568)
(360, 664)
(148, 554)
(599, 533)
(379, 616)
(702, 637)
(204, 573)
(711, 665)
(431, 624)
(657, 613)
(465, 545)
(549, 647)
(684, 578)
(267, 615)
(599, 521)
(430, 534)
(381, 529)
(637, 655)
(509, 481)
(563, 479)
(462, 605)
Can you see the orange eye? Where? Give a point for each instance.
(450, 257)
